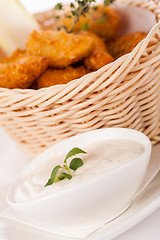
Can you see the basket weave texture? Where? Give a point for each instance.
(125, 93)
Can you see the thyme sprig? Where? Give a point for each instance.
(78, 9)
(65, 169)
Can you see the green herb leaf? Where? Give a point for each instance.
(57, 17)
(79, 9)
(64, 175)
(65, 28)
(76, 163)
(53, 175)
(74, 13)
(61, 176)
(65, 166)
(69, 16)
(72, 5)
(101, 20)
(59, 6)
(107, 2)
(94, 8)
(72, 152)
(84, 26)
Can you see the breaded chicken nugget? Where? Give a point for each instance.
(60, 48)
(60, 76)
(97, 60)
(125, 44)
(99, 45)
(22, 73)
(103, 22)
(99, 57)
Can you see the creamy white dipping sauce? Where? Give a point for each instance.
(101, 157)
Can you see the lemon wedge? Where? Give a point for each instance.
(15, 25)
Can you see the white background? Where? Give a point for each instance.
(149, 229)
(40, 5)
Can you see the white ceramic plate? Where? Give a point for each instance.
(13, 160)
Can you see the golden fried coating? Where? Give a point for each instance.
(99, 43)
(103, 22)
(97, 60)
(60, 76)
(99, 57)
(60, 48)
(22, 73)
(125, 44)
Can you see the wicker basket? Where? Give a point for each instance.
(125, 93)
